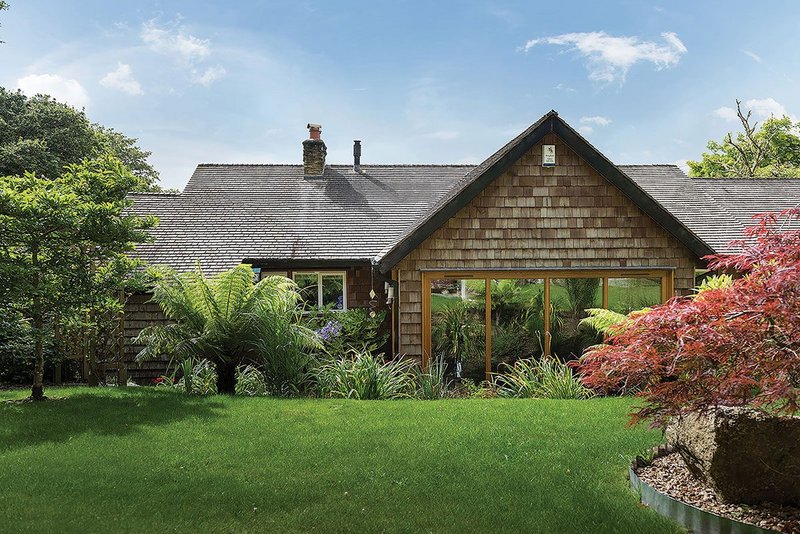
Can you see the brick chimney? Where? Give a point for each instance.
(314, 151)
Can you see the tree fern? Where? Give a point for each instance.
(229, 319)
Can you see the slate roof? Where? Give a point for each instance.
(274, 215)
(716, 209)
(228, 213)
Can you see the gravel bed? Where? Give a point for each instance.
(669, 475)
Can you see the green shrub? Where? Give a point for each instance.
(196, 377)
(251, 382)
(353, 330)
(432, 383)
(547, 378)
(469, 389)
(362, 375)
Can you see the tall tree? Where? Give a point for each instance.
(63, 242)
(772, 151)
(41, 135)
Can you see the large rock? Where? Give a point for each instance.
(745, 455)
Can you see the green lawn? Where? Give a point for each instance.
(153, 460)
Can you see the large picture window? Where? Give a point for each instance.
(320, 289)
(480, 322)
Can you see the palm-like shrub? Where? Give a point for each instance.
(229, 319)
(458, 335)
(546, 378)
(365, 376)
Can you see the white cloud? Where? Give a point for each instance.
(597, 120)
(585, 130)
(565, 88)
(175, 42)
(60, 88)
(122, 79)
(761, 108)
(752, 55)
(611, 57)
(209, 76)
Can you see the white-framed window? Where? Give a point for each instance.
(322, 288)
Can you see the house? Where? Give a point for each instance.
(547, 218)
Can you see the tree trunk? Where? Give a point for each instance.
(93, 379)
(226, 378)
(37, 391)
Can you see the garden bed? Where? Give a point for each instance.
(668, 475)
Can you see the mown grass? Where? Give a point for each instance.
(153, 460)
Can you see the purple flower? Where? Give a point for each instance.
(330, 331)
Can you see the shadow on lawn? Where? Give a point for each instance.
(60, 420)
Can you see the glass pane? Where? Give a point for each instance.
(569, 297)
(307, 282)
(333, 290)
(458, 326)
(517, 321)
(628, 294)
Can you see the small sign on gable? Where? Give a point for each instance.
(548, 155)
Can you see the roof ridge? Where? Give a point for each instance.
(156, 193)
(338, 165)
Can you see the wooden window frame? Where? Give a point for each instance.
(320, 274)
(665, 274)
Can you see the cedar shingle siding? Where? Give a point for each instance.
(139, 313)
(535, 217)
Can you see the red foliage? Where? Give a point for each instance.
(733, 346)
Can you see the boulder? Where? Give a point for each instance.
(747, 456)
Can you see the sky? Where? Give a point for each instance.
(417, 82)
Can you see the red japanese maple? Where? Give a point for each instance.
(732, 346)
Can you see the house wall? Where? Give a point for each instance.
(139, 313)
(530, 217)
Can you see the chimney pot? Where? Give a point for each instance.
(314, 130)
(314, 151)
(356, 155)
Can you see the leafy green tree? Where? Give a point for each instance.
(41, 135)
(63, 242)
(229, 320)
(772, 151)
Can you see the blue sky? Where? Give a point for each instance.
(418, 82)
